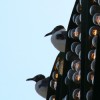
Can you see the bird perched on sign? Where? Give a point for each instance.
(41, 85)
(58, 37)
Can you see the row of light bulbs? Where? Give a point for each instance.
(58, 70)
(94, 31)
(74, 55)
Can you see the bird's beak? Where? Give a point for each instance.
(48, 34)
(30, 79)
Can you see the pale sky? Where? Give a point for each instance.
(24, 51)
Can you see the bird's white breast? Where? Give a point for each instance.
(58, 44)
(42, 90)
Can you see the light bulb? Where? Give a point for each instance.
(73, 46)
(93, 1)
(80, 1)
(67, 80)
(80, 37)
(76, 65)
(72, 33)
(55, 75)
(79, 55)
(89, 95)
(60, 69)
(74, 17)
(53, 84)
(76, 77)
(77, 20)
(99, 2)
(93, 65)
(96, 19)
(79, 8)
(65, 98)
(94, 31)
(76, 94)
(69, 33)
(70, 74)
(52, 97)
(94, 9)
(78, 29)
(91, 55)
(78, 49)
(90, 77)
(70, 56)
(94, 41)
(96, 1)
(80, 17)
(95, 52)
(57, 64)
(76, 33)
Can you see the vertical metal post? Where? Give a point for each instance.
(86, 23)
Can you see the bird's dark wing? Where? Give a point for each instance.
(62, 36)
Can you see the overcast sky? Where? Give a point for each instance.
(24, 51)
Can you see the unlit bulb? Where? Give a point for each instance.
(93, 65)
(70, 74)
(94, 9)
(96, 19)
(94, 41)
(73, 46)
(89, 95)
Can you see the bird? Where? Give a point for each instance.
(58, 37)
(41, 85)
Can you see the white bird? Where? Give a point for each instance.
(41, 85)
(58, 37)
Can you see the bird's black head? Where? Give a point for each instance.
(57, 28)
(36, 78)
